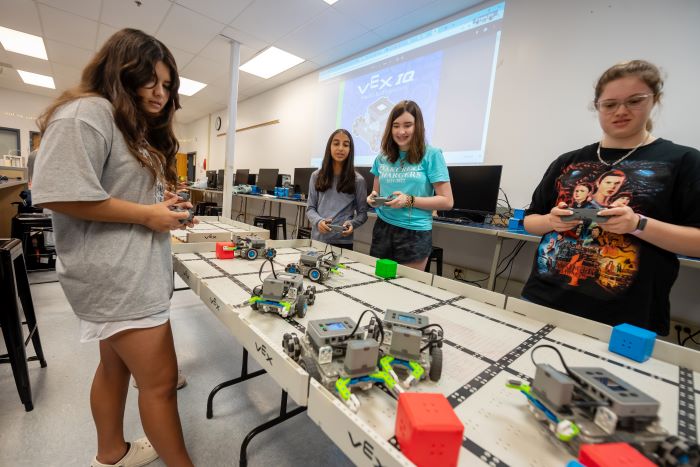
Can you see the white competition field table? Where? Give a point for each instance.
(218, 229)
(487, 342)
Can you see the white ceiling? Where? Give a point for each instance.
(74, 29)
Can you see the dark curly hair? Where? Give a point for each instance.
(127, 61)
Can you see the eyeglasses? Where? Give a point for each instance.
(609, 106)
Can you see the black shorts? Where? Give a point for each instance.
(399, 244)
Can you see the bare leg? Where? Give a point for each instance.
(150, 355)
(107, 401)
(417, 264)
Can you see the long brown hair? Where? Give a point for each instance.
(416, 148)
(126, 62)
(645, 71)
(346, 183)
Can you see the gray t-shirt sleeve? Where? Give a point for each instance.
(312, 202)
(74, 153)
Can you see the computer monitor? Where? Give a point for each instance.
(220, 179)
(267, 179)
(211, 179)
(301, 179)
(241, 177)
(369, 177)
(475, 191)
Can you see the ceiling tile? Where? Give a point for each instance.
(85, 8)
(301, 69)
(126, 14)
(288, 16)
(219, 50)
(182, 58)
(348, 49)
(66, 76)
(187, 30)
(223, 11)
(67, 27)
(321, 34)
(204, 70)
(213, 94)
(27, 63)
(20, 16)
(66, 54)
(382, 12)
(249, 40)
(104, 32)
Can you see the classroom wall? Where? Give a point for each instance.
(20, 110)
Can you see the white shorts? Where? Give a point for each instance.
(91, 331)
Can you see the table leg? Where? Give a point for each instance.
(494, 264)
(244, 376)
(284, 415)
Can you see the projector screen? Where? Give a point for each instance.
(448, 70)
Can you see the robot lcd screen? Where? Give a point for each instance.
(610, 384)
(337, 326)
(407, 319)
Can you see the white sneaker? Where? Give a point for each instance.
(140, 453)
(181, 381)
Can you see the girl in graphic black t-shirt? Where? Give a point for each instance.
(620, 270)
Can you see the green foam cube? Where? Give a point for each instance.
(385, 268)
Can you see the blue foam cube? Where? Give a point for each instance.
(515, 224)
(518, 214)
(574, 464)
(632, 342)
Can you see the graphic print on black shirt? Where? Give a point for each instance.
(588, 257)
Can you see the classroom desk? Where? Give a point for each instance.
(300, 205)
(499, 429)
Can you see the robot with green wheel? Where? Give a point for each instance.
(410, 347)
(316, 266)
(590, 405)
(342, 359)
(252, 248)
(282, 293)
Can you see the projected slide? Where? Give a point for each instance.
(448, 70)
(368, 99)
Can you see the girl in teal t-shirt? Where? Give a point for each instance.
(415, 176)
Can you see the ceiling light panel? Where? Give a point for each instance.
(22, 43)
(189, 87)
(271, 62)
(330, 2)
(36, 79)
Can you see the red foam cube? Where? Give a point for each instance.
(612, 454)
(428, 430)
(224, 250)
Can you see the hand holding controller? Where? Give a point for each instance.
(337, 228)
(585, 213)
(382, 200)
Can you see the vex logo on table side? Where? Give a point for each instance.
(367, 450)
(263, 351)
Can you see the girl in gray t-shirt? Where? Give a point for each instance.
(337, 194)
(106, 161)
